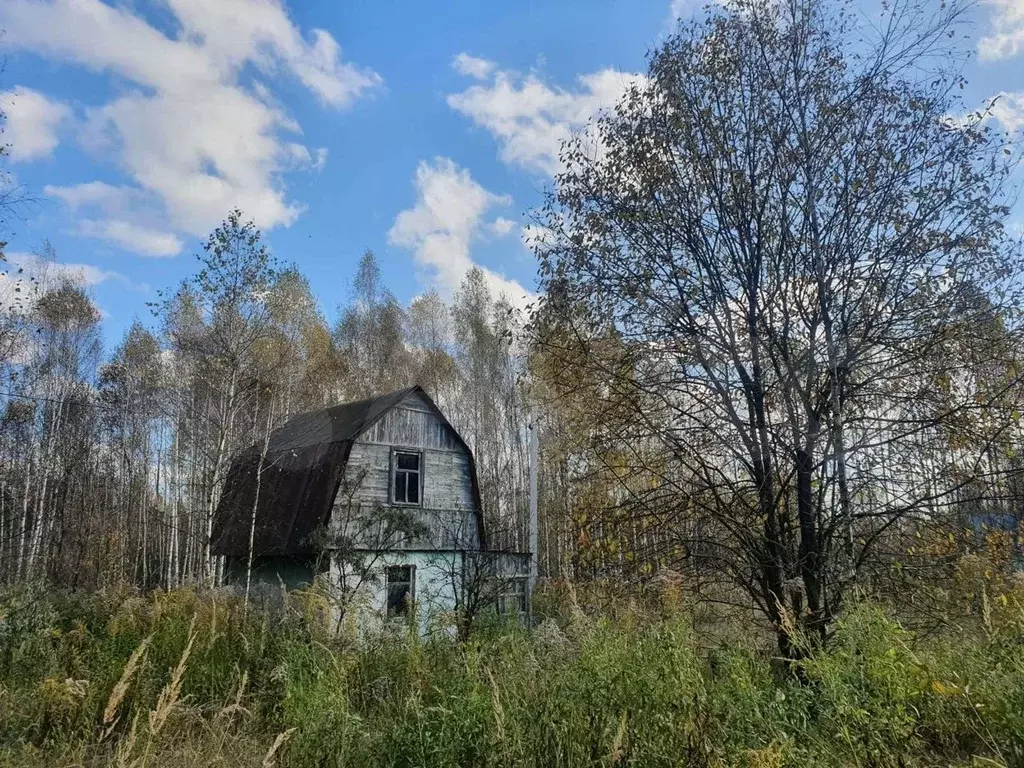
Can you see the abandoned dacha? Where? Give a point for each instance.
(380, 499)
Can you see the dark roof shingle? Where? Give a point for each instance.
(293, 492)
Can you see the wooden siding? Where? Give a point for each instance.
(448, 509)
(412, 424)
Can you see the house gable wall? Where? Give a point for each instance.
(448, 512)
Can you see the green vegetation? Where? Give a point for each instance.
(184, 678)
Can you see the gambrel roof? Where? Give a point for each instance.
(301, 473)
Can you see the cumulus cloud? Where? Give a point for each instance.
(443, 224)
(502, 226)
(530, 118)
(129, 218)
(192, 133)
(98, 193)
(47, 273)
(33, 123)
(677, 9)
(302, 159)
(1009, 110)
(236, 31)
(132, 237)
(1006, 36)
(471, 66)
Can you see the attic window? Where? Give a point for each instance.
(406, 477)
(401, 585)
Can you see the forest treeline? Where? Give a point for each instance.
(776, 354)
(113, 463)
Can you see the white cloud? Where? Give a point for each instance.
(1005, 107)
(441, 227)
(28, 276)
(530, 119)
(1006, 38)
(1009, 110)
(534, 235)
(193, 135)
(132, 237)
(203, 155)
(471, 66)
(236, 31)
(48, 273)
(97, 193)
(127, 217)
(676, 10)
(33, 123)
(303, 159)
(677, 7)
(502, 226)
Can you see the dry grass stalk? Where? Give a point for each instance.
(241, 688)
(268, 760)
(213, 619)
(120, 689)
(127, 745)
(618, 752)
(168, 697)
(165, 704)
(499, 710)
(236, 705)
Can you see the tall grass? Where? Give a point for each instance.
(183, 678)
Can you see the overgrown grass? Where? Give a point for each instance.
(193, 679)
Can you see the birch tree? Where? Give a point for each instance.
(217, 320)
(129, 389)
(370, 336)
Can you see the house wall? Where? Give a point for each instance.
(447, 513)
(273, 571)
(438, 584)
(436, 592)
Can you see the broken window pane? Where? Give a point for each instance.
(513, 597)
(400, 581)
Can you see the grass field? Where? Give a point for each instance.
(190, 679)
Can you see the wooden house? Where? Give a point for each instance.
(381, 498)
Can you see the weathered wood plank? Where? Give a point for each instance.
(448, 510)
(411, 424)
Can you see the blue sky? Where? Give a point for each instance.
(424, 131)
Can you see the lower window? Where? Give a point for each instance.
(512, 599)
(401, 585)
